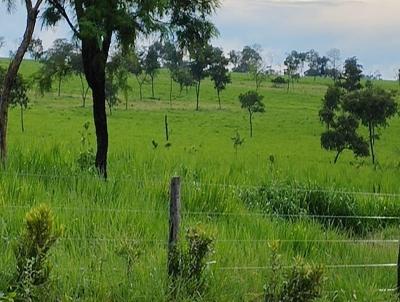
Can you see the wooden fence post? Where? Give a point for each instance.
(398, 272)
(174, 222)
(166, 128)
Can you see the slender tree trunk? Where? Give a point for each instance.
(32, 13)
(22, 119)
(59, 85)
(84, 91)
(219, 99)
(170, 92)
(152, 87)
(198, 95)
(371, 142)
(251, 123)
(337, 156)
(140, 91)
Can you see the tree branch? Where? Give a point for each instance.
(63, 13)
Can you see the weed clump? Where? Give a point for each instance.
(32, 279)
(301, 283)
(189, 265)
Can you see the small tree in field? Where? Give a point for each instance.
(183, 76)
(341, 127)
(136, 67)
(374, 106)
(19, 95)
(173, 59)
(56, 64)
(351, 78)
(201, 59)
(77, 69)
(35, 49)
(252, 102)
(219, 72)
(151, 64)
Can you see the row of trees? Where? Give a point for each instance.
(64, 59)
(347, 105)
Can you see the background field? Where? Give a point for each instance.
(97, 216)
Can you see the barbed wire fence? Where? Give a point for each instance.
(176, 215)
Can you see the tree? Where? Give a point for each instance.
(374, 106)
(151, 64)
(334, 57)
(234, 58)
(219, 72)
(97, 22)
(32, 11)
(318, 66)
(173, 59)
(252, 102)
(56, 64)
(119, 68)
(201, 60)
(136, 66)
(292, 63)
(112, 89)
(77, 69)
(19, 95)
(351, 78)
(341, 127)
(183, 76)
(35, 49)
(249, 56)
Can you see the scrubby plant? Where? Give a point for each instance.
(189, 264)
(237, 141)
(301, 283)
(32, 279)
(86, 158)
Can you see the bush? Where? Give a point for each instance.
(189, 264)
(31, 253)
(279, 81)
(302, 283)
(327, 207)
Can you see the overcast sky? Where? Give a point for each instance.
(368, 29)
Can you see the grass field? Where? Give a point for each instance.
(98, 216)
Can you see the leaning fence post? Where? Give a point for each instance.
(174, 221)
(166, 128)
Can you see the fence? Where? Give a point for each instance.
(176, 214)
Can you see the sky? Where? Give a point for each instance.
(367, 29)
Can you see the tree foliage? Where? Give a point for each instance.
(352, 75)
(219, 72)
(56, 65)
(373, 106)
(252, 102)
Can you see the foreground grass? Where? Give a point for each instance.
(133, 205)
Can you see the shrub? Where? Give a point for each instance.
(290, 201)
(190, 263)
(302, 283)
(31, 253)
(279, 81)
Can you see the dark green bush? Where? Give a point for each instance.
(293, 201)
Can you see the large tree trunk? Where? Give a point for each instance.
(12, 73)
(94, 60)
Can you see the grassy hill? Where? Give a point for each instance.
(285, 157)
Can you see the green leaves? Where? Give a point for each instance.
(252, 101)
